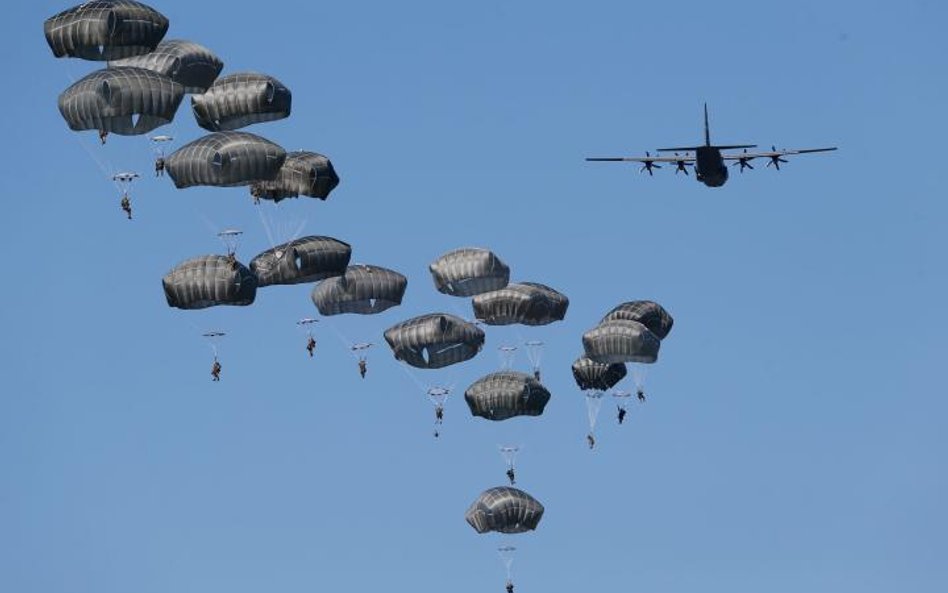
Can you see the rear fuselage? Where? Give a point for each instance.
(709, 166)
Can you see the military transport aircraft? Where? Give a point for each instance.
(708, 160)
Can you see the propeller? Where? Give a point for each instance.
(681, 166)
(743, 162)
(649, 165)
(775, 159)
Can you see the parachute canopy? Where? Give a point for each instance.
(363, 289)
(302, 174)
(648, 313)
(527, 303)
(620, 340)
(209, 280)
(506, 510)
(307, 259)
(435, 340)
(125, 101)
(189, 64)
(469, 271)
(125, 177)
(505, 394)
(105, 30)
(241, 99)
(590, 374)
(225, 159)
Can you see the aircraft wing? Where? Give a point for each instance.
(772, 154)
(644, 159)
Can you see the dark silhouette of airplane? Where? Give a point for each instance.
(708, 161)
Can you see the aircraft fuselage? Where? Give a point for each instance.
(709, 166)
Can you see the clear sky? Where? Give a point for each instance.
(794, 439)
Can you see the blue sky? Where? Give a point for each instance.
(794, 439)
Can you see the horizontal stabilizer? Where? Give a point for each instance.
(693, 148)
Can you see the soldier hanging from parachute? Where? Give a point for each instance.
(213, 337)
(159, 141)
(509, 453)
(307, 324)
(438, 396)
(124, 181)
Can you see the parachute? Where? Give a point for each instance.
(189, 64)
(158, 144)
(648, 313)
(593, 404)
(307, 259)
(238, 100)
(527, 303)
(231, 239)
(620, 340)
(225, 159)
(504, 509)
(124, 180)
(209, 280)
(124, 101)
(468, 272)
(594, 378)
(307, 324)
(534, 350)
(302, 174)
(434, 341)
(506, 394)
(438, 395)
(213, 337)
(509, 453)
(105, 30)
(590, 374)
(506, 554)
(506, 353)
(363, 289)
(361, 350)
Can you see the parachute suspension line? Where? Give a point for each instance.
(534, 353)
(507, 353)
(158, 141)
(412, 376)
(639, 372)
(506, 553)
(221, 234)
(280, 231)
(509, 453)
(212, 338)
(593, 403)
(105, 167)
(231, 239)
(307, 324)
(438, 394)
(534, 349)
(360, 350)
(345, 341)
(266, 228)
(356, 349)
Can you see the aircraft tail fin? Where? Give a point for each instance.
(707, 129)
(707, 140)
